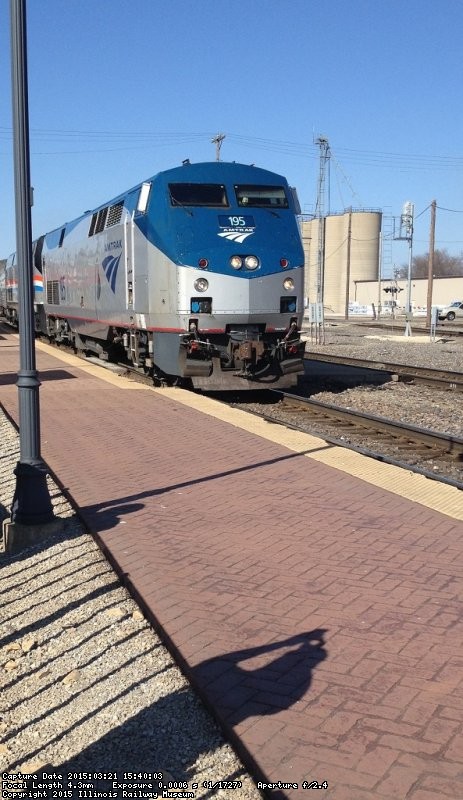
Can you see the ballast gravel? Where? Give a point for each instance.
(388, 344)
(86, 684)
(423, 406)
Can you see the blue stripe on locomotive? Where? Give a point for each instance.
(186, 233)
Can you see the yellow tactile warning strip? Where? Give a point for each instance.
(432, 494)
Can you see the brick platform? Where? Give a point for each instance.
(319, 616)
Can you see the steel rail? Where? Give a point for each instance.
(415, 439)
(434, 377)
(445, 328)
(452, 444)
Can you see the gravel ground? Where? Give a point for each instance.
(423, 406)
(390, 345)
(86, 684)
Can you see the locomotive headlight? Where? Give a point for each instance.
(251, 262)
(288, 284)
(236, 262)
(201, 285)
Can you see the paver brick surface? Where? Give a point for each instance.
(319, 616)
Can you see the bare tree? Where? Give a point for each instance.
(445, 266)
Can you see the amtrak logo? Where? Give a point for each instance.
(110, 266)
(235, 236)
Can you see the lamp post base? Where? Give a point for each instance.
(31, 502)
(17, 537)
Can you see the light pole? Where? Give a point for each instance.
(31, 502)
(406, 225)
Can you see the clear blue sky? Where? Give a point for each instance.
(120, 89)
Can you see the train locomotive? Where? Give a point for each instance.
(194, 275)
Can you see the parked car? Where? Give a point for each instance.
(451, 311)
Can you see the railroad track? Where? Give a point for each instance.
(435, 455)
(452, 329)
(440, 379)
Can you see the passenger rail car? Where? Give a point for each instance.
(9, 299)
(196, 275)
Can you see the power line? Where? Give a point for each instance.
(422, 212)
(383, 159)
(452, 210)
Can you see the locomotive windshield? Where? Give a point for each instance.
(263, 196)
(198, 194)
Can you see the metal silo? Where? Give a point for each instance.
(352, 245)
(309, 234)
(336, 262)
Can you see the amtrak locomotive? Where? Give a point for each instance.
(195, 276)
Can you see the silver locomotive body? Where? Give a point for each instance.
(200, 290)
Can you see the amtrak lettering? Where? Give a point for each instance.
(113, 245)
(235, 235)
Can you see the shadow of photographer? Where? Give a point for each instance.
(175, 734)
(267, 686)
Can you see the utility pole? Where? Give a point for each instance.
(31, 502)
(349, 239)
(217, 140)
(432, 233)
(325, 154)
(380, 273)
(406, 233)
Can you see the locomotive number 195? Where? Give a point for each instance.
(235, 221)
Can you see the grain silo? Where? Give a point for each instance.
(347, 252)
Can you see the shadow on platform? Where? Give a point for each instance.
(9, 378)
(171, 734)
